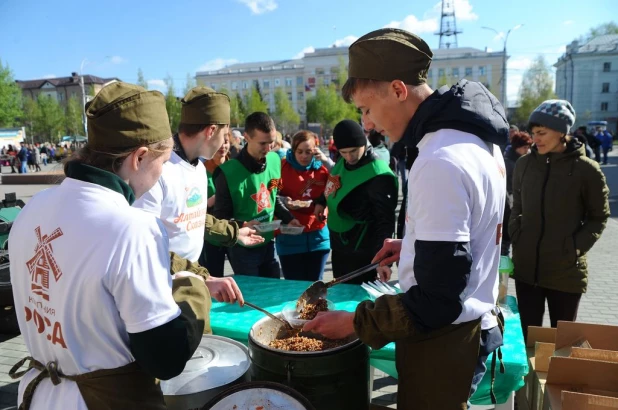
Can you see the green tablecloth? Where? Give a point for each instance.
(272, 294)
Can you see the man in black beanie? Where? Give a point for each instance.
(361, 195)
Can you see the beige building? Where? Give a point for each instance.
(63, 88)
(300, 77)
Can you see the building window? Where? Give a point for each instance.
(604, 106)
(266, 83)
(319, 71)
(481, 70)
(60, 97)
(266, 97)
(468, 71)
(326, 82)
(245, 85)
(300, 95)
(224, 85)
(299, 82)
(277, 82)
(607, 67)
(456, 72)
(288, 82)
(441, 72)
(290, 96)
(429, 73)
(213, 86)
(605, 88)
(234, 85)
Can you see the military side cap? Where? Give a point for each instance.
(124, 115)
(390, 54)
(203, 105)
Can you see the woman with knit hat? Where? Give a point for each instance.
(361, 195)
(91, 277)
(560, 208)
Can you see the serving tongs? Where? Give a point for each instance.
(318, 289)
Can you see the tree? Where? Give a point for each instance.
(600, 30)
(254, 101)
(328, 108)
(237, 116)
(50, 119)
(10, 98)
(31, 115)
(242, 109)
(74, 123)
(172, 104)
(189, 84)
(141, 81)
(285, 116)
(537, 86)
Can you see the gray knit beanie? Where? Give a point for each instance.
(557, 115)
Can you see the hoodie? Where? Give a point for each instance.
(467, 106)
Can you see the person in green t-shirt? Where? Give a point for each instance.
(247, 189)
(361, 195)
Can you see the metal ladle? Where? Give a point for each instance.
(287, 326)
(318, 289)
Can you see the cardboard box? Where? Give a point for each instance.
(535, 380)
(570, 339)
(596, 382)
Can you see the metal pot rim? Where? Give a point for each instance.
(353, 342)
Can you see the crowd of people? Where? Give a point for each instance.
(163, 211)
(24, 158)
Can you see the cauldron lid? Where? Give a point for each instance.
(252, 395)
(216, 362)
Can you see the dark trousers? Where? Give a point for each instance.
(213, 259)
(348, 261)
(605, 151)
(436, 368)
(531, 304)
(258, 261)
(304, 266)
(506, 238)
(597, 153)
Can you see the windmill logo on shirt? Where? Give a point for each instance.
(43, 263)
(262, 198)
(194, 198)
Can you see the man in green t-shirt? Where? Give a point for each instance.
(247, 193)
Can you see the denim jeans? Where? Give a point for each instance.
(258, 261)
(304, 266)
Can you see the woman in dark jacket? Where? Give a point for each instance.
(361, 194)
(520, 145)
(560, 208)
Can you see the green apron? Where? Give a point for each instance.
(254, 195)
(340, 183)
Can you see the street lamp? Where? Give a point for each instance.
(506, 38)
(81, 84)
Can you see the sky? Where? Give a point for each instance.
(113, 38)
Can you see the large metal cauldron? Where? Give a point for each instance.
(333, 379)
(217, 364)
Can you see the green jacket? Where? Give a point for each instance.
(560, 208)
